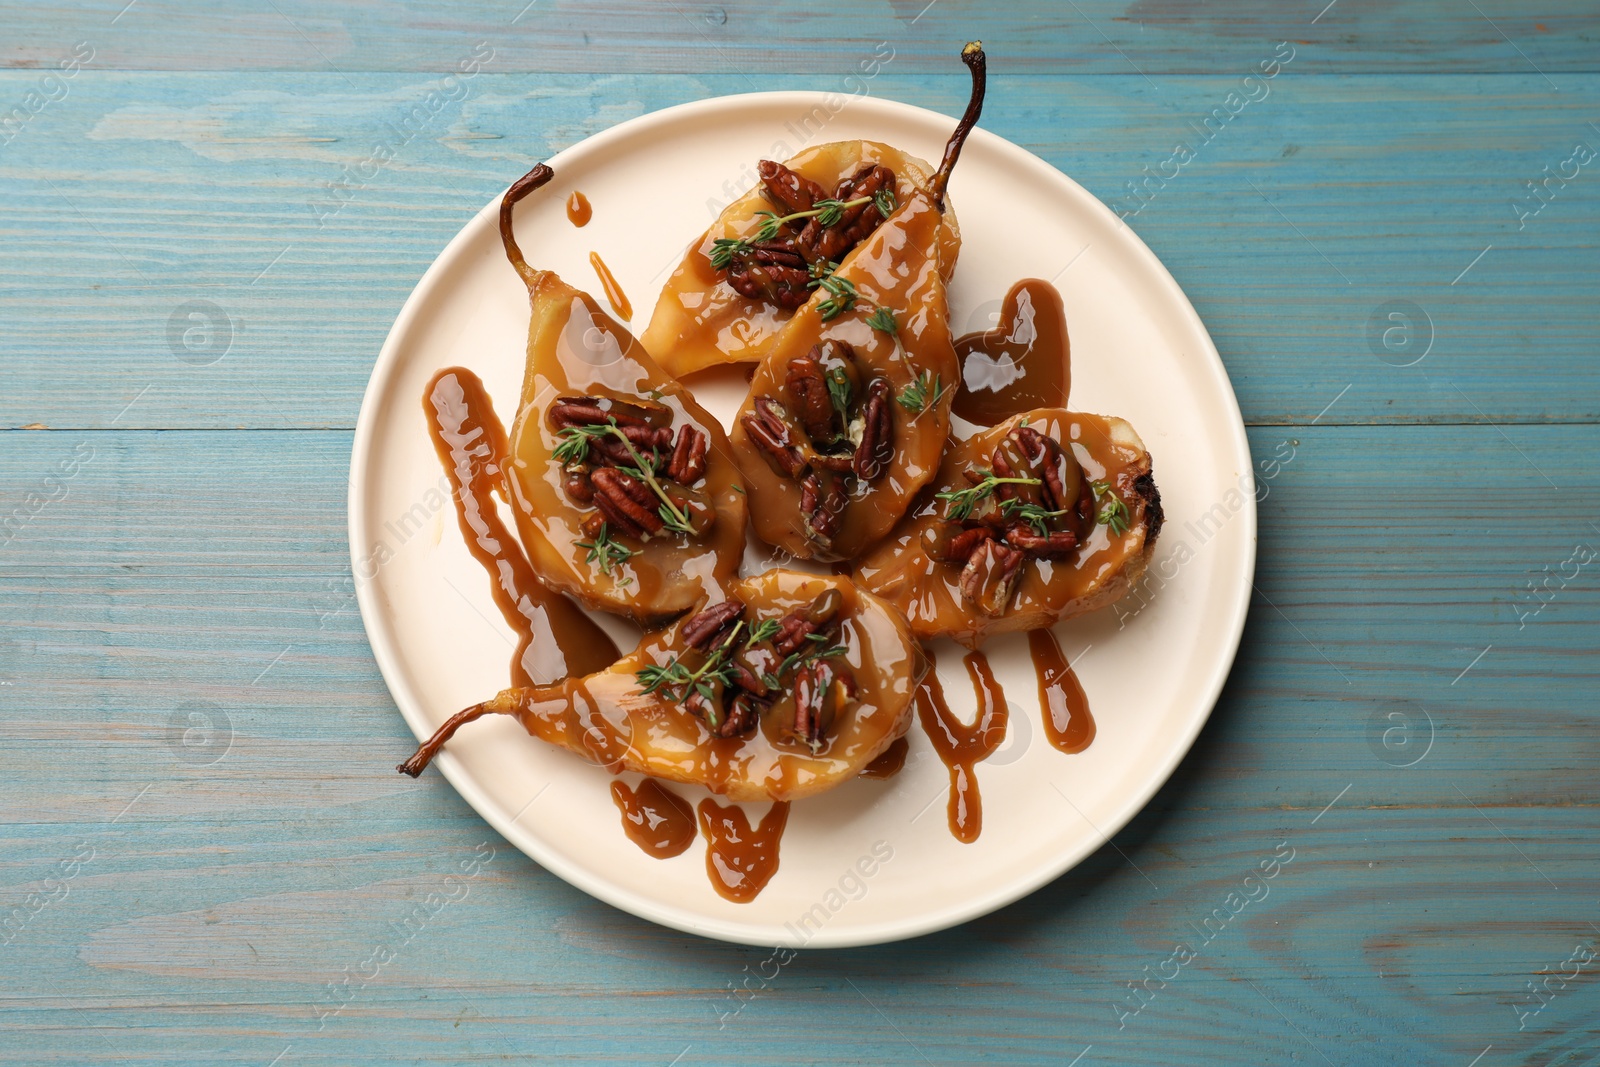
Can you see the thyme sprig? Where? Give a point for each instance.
(574, 448)
(883, 320)
(839, 391)
(606, 552)
(1033, 514)
(1113, 513)
(924, 390)
(960, 502)
(679, 681)
(827, 212)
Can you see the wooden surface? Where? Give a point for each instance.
(194, 559)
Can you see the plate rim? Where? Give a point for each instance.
(383, 643)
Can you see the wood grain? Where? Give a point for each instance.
(755, 40)
(172, 540)
(180, 565)
(1345, 194)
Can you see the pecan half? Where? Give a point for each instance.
(768, 427)
(699, 630)
(808, 385)
(822, 506)
(742, 716)
(626, 502)
(797, 626)
(577, 484)
(774, 271)
(688, 462)
(966, 542)
(787, 189)
(990, 576)
(820, 689)
(832, 242)
(877, 434)
(1052, 545)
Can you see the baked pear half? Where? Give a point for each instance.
(624, 489)
(786, 688)
(1049, 515)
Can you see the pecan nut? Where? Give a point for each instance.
(822, 507)
(768, 426)
(808, 386)
(699, 631)
(791, 191)
(820, 690)
(688, 462)
(877, 434)
(626, 502)
(990, 576)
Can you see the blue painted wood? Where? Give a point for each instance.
(188, 553)
(1346, 193)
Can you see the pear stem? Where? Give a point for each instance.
(534, 179)
(430, 748)
(973, 56)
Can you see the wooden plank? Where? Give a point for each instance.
(205, 569)
(1338, 196)
(1088, 37)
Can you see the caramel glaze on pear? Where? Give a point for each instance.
(701, 321)
(1098, 570)
(887, 323)
(609, 718)
(575, 350)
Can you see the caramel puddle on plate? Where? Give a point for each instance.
(961, 746)
(578, 210)
(471, 443)
(1067, 721)
(739, 860)
(1023, 363)
(890, 763)
(614, 294)
(655, 818)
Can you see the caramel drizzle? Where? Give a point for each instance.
(1067, 721)
(889, 762)
(471, 443)
(578, 210)
(741, 861)
(614, 294)
(655, 818)
(960, 746)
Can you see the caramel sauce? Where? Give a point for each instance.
(655, 818)
(607, 719)
(576, 349)
(471, 443)
(579, 212)
(701, 321)
(614, 294)
(1023, 363)
(741, 861)
(961, 746)
(1067, 721)
(897, 266)
(890, 762)
(901, 571)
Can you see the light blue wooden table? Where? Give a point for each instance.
(184, 347)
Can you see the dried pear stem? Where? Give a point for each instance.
(972, 55)
(430, 748)
(534, 179)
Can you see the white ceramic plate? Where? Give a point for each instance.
(1152, 667)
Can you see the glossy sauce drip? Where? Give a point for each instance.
(655, 818)
(1022, 364)
(739, 860)
(471, 442)
(1067, 722)
(578, 210)
(961, 746)
(614, 294)
(890, 762)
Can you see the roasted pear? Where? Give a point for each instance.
(788, 687)
(1048, 515)
(849, 409)
(622, 485)
(734, 290)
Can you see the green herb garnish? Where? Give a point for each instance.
(1032, 514)
(924, 391)
(960, 502)
(574, 448)
(606, 552)
(1113, 513)
(883, 319)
